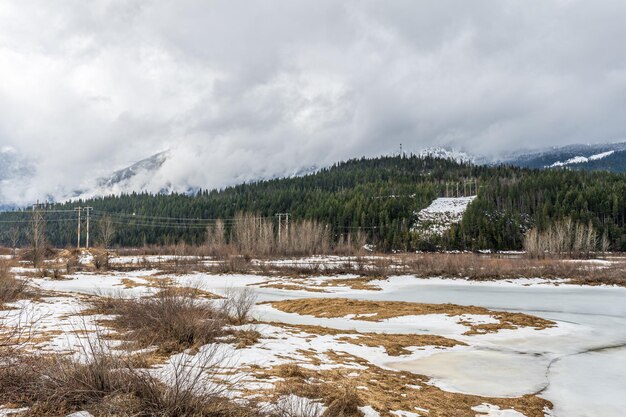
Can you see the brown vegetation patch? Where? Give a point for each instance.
(395, 344)
(171, 320)
(361, 283)
(245, 338)
(191, 292)
(293, 287)
(424, 265)
(385, 390)
(175, 319)
(382, 310)
(107, 384)
(11, 288)
(151, 282)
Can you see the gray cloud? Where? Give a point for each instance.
(240, 89)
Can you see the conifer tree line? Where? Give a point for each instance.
(375, 198)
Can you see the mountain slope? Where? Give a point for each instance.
(604, 157)
(379, 197)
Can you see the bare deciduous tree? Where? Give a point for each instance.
(107, 231)
(238, 304)
(215, 239)
(38, 237)
(14, 238)
(563, 238)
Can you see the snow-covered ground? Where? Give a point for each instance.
(441, 214)
(577, 365)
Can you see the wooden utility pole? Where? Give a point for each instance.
(38, 236)
(78, 228)
(87, 210)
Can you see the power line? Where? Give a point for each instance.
(183, 219)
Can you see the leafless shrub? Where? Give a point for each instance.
(16, 371)
(101, 260)
(56, 274)
(171, 319)
(238, 304)
(231, 265)
(145, 263)
(343, 402)
(295, 406)
(107, 383)
(72, 263)
(11, 288)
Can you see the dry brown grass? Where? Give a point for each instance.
(361, 283)
(393, 343)
(107, 384)
(424, 265)
(382, 310)
(192, 292)
(158, 281)
(385, 390)
(293, 287)
(245, 338)
(491, 267)
(397, 344)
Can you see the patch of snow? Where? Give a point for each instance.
(441, 214)
(488, 410)
(6, 411)
(581, 159)
(80, 414)
(401, 413)
(446, 153)
(85, 258)
(368, 411)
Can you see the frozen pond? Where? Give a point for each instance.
(580, 367)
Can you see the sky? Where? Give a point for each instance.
(243, 89)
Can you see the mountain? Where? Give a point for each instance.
(161, 172)
(597, 157)
(383, 198)
(133, 178)
(138, 177)
(446, 152)
(149, 175)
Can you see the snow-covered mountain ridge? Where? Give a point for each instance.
(162, 173)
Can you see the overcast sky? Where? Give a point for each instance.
(242, 89)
